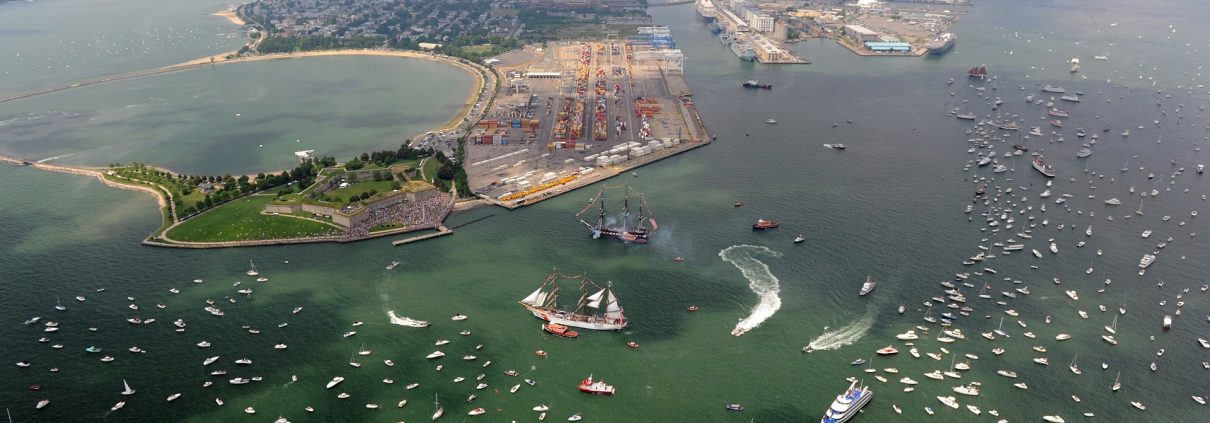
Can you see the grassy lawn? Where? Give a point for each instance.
(430, 169)
(481, 48)
(240, 220)
(342, 194)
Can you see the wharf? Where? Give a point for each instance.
(441, 230)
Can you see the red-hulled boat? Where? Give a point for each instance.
(889, 350)
(765, 224)
(596, 387)
(560, 330)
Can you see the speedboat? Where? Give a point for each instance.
(771, 121)
(435, 354)
(335, 381)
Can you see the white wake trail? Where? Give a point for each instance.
(846, 335)
(760, 281)
(405, 321)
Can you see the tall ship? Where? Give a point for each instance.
(1041, 166)
(707, 9)
(848, 404)
(941, 44)
(978, 72)
(599, 311)
(621, 227)
(743, 49)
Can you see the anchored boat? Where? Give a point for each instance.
(622, 229)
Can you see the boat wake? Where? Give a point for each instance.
(760, 280)
(405, 321)
(55, 158)
(847, 335)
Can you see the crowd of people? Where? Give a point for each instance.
(427, 211)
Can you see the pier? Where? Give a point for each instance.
(441, 230)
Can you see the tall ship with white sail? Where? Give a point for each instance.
(599, 311)
(848, 404)
(623, 227)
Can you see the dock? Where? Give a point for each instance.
(441, 230)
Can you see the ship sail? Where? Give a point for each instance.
(533, 299)
(595, 299)
(587, 313)
(613, 310)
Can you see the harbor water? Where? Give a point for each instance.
(889, 206)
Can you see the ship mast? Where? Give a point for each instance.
(583, 295)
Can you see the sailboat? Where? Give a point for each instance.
(928, 314)
(543, 304)
(1140, 210)
(59, 306)
(129, 391)
(1113, 328)
(252, 270)
(440, 411)
(624, 231)
(1074, 367)
(1117, 382)
(1000, 329)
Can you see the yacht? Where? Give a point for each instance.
(848, 404)
(771, 121)
(950, 402)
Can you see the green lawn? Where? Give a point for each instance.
(240, 220)
(342, 194)
(430, 169)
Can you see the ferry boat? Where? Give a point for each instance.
(1041, 166)
(1053, 89)
(542, 303)
(598, 387)
(867, 287)
(627, 231)
(848, 404)
(966, 116)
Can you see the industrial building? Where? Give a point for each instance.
(884, 46)
(860, 33)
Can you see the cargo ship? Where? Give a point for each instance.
(620, 228)
(942, 44)
(542, 303)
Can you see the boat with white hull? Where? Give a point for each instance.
(848, 404)
(542, 303)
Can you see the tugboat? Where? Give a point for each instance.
(752, 83)
(848, 404)
(867, 287)
(596, 387)
(560, 330)
(763, 224)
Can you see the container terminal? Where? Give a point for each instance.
(576, 113)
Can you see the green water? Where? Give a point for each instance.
(890, 206)
(244, 117)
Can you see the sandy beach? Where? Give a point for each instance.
(231, 17)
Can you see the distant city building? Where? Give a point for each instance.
(760, 22)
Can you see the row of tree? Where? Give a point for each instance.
(279, 44)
